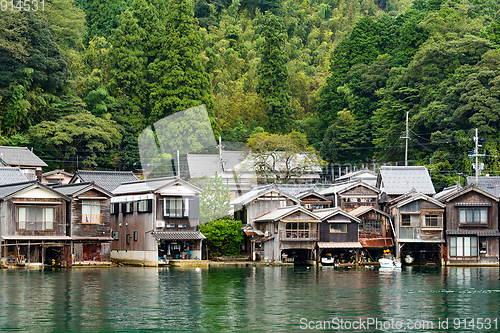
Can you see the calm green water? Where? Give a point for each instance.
(245, 299)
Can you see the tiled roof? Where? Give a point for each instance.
(279, 213)
(402, 179)
(204, 165)
(177, 235)
(360, 174)
(363, 209)
(329, 212)
(6, 190)
(447, 192)
(19, 156)
(257, 192)
(492, 233)
(108, 180)
(71, 189)
(487, 184)
(57, 172)
(10, 175)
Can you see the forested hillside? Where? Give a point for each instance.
(80, 80)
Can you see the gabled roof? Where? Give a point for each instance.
(203, 165)
(361, 210)
(312, 193)
(487, 184)
(326, 213)
(468, 189)
(397, 180)
(154, 185)
(282, 212)
(248, 197)
(360, 174)
(413, 196)
(346, 186)
(57, 172)
(108, 180)
(447, 192)
(10, 175)
(10, 190)
(74, 190)
(19, 156)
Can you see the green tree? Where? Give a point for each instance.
(180, 78)
(214, 200)
(224, 237)
(273, 80)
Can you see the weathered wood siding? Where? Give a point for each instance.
(79, 229)
(264, 205)
(375, 216)
(452, 212)
(350, 236)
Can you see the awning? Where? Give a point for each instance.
(339, 221)
(473, 204)
(376, 242)
(38, 238)
(339, 245)
(253, 232)
(483, 233)
(177, 235)
(417, 240)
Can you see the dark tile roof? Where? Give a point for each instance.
(9, 189)
(19, 156)
(490, 185)
(178, 235)
(108, 180)
(484, 233)
(10, 175)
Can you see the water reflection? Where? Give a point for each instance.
(238, 299)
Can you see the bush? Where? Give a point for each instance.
(224, 236)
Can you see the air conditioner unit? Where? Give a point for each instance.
(160, 224)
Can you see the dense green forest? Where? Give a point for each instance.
(80, 80)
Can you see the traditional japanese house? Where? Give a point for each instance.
(289, 232)
(155, 219)
(255, 203)
(353, 194)
(89, 223)
(56, 177)
(10, 175)
(375, 231)
(33, 226)
(394, 181)
(338, 235)
(24, 159)
(367, 176)
(418, 222)
(313, 200)
(472, 234)
(489, 184)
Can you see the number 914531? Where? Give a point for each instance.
(22, 5)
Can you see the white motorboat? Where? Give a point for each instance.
(328, 260)
(389, 263)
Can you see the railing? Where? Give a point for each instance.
(91, 218)
(299, 235)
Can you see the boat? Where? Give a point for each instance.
(328, 260)
(389, 263)
(409, 259)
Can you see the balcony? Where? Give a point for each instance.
(299, 235)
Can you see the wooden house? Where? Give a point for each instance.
(289, 232)
(33, 226)
(108, 180)
(472, 234)
(338, 235)
(89, 224)
(394, 181)
(24, 159)
(418, 222)
(353, 194)
(155, 219)
(313, 200)
(56, 177)
(375, 231)
(253, 204)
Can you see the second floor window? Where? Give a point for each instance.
(175, 207)
(91, 211)
(474, 215)
(432, 220)
(35, 218)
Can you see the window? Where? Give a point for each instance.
(128, 207)
(169, 226)
(114, 208)
(474, 215)
(297, 230)
(463, 246)
(482, 248)
(175, 207)
(432, 220)
(128, 238)
(370, 226)
(410, 220)
(35, 218)
(338, 228)
(114, 235)
(182, 226)
(91, 211)
(136, 234)
(145, 206)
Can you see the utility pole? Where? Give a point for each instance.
(220, 154)
(406, 137)
(476, 155)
